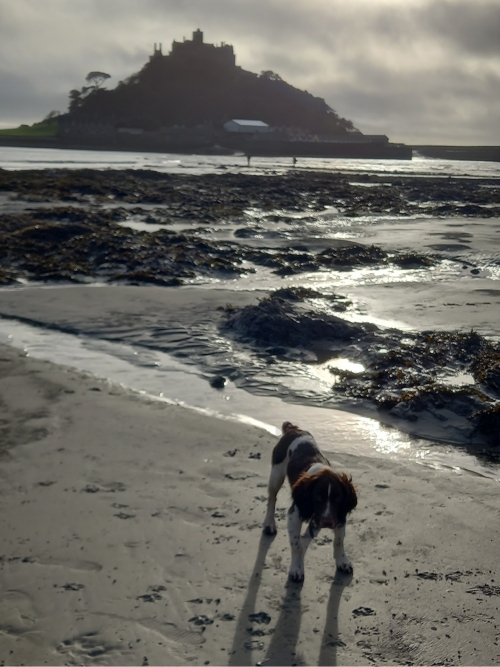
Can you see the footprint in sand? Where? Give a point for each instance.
(18, 613)
(87, 649)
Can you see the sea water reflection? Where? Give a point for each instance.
(165, 378)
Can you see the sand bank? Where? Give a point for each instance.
(131, 535)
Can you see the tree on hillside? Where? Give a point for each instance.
(52, 114)
(75, 99)
(97, 79)
(270, 75)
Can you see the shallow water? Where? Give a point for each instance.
(55, 158)
(164, 377)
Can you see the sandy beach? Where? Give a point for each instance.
(132, 535)
(362, 307)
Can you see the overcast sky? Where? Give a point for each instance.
(420, 71)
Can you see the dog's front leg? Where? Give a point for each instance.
(296, 572)
(276, 479)
(341, 559)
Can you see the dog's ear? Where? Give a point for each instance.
(287, 426)
(303, 496)
(348, 497)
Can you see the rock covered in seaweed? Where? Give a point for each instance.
(275, 321)
(486, 423)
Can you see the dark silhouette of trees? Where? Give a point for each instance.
(201, 91)
(76, 97)
(96, 79)
(270, 75)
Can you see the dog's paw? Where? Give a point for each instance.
(296, 575)
(269, 528)
(344, 566)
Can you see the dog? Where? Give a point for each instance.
(320, 496)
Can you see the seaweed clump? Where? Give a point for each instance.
(461, 401)
(486, 368)
(275, 321)
(414, 375)
(92, 247)
(298, 294)
(486, 423)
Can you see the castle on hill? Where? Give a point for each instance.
(196, 48)
(196, 98)
(199, 85)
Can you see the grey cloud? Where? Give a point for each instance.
(21, 93)
(472, 26)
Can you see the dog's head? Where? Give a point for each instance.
(325, 498)
(288, 427)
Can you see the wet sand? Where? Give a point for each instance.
(131, 535)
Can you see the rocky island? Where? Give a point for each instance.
(193, 100)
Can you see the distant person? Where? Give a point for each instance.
(249, 157)
(294, 161)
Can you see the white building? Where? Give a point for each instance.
(248, 126)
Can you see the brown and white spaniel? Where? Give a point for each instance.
(320, 496)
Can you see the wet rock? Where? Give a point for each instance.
(51, 233)
(351, 255)
(275, 321)
(411, 260)
(218, 382)
(486, 423)
(462, 401)
(146, 278)
(216, 196)
(486, 368)
(75, 251)
(297, 293)
(249, 232)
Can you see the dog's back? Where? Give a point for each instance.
(301, 449)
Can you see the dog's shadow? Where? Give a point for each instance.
(282, 649)
(330, 640)
(242, 643)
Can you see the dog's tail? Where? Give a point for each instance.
(288, 426)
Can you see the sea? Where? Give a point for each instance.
(462, 292)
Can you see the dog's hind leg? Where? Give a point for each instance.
(276, 479)
(341, 559)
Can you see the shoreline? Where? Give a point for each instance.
(223, 145)
(110, 558)
(486, 153)
(185, 322)
(161, 376)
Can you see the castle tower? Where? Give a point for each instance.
(157, 51)
(197, 37)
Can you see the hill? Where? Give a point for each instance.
(199, 84)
